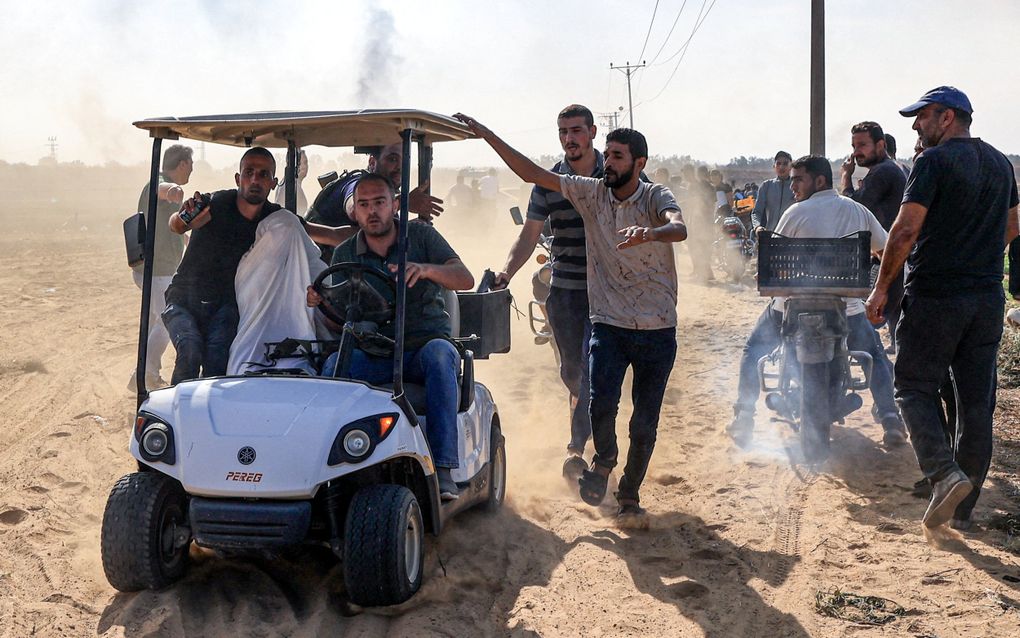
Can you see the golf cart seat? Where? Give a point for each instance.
(417, 396)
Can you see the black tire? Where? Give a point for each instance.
(384, 546)
(497, 470)
(815, 411)
(141, 521)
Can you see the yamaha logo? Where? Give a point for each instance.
(246, 455)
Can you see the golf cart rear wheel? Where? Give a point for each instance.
(497, 470)
(145, 538)
(384, 546)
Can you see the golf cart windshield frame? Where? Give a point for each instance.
(291, 129)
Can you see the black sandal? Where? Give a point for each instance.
(593, 486)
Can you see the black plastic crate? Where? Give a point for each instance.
(799, 265)
(487, 316)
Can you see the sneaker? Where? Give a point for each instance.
(895, 434)
(448, 490)
(741, 429)
(945, 496)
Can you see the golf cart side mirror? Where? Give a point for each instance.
(515, 213)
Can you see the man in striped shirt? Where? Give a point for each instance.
(567, 304)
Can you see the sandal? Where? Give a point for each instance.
(593, 485)
(574, 467)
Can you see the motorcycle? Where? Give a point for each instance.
(734, 248)
(809, 379)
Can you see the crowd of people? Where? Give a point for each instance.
(938, 232)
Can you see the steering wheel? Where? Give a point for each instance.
(355, 296)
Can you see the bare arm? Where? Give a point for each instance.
(329, 235)
(902, 237)
(673, 230)
(453, 275)
(1012, 225)
(177, 224)
(524, 168)
(520, 252)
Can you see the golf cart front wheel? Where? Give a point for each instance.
(384, 546)
(497, 470)
(145, 538)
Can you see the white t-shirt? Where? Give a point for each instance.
(828, 214)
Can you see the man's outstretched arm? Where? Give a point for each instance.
(524, 168)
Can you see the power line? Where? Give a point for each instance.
(683, 48)
(666, 41)
(647, 35)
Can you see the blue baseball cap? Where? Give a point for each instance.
(949, 96)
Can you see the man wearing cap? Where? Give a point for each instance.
(959, 211)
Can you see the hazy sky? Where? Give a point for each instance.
(83, 70)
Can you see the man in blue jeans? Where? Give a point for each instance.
(819, 211)
(958, 214)
(629, 229)
(429, 357)
(567, 304)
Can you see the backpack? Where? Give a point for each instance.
(328, 207)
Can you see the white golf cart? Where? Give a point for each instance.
(276, 459)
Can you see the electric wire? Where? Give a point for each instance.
(682, 51)
(666, 41)
(647, 35)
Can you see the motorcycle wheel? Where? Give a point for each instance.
(815, 411)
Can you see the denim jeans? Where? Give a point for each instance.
(159, 338)
(434, 365)
(765, 337)
(201, 332)
(935, 333)
(568, 318)
(863, 337)
(651, 353)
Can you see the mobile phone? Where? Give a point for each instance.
(187, 217)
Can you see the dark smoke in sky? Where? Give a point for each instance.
(376, 82)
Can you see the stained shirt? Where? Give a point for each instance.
(635, 287)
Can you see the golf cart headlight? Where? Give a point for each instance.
(356, 440)
(357, 443)
(155, 440)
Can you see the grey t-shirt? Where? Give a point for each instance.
(169, 246)
(635, 287)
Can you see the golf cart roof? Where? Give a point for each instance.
(273, 129)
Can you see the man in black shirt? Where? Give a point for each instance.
(201, 314)
(959, 211)
(881, 191)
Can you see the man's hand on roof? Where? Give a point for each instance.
(419, 201)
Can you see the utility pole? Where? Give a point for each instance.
(611, 119)
(628, 70)
(818, 77)
(51, 142)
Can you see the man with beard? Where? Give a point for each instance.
(429, 356)
(201, 313)
(818, 212)
(881, 191)
(629, 229)
(334, 204)
(774, 196)
(567, 304)
(959, 211)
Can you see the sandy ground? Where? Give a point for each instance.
(739, 542)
